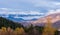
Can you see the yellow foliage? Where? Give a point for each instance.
(19, 31)
(48, 29)
(3, 29)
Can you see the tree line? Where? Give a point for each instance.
(8, 27)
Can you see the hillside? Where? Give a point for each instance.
(8, 23)
(54, 17)
(55, 20)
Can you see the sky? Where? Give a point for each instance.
(28, 9)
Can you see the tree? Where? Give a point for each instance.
(39, 29)
(19, 31)
(9, 31)
(3, 31)
(48, 29)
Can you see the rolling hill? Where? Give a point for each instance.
(55, 20)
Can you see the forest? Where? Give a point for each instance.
(8, 27)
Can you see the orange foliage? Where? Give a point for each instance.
(9, 31)
(48, 30)
(19, 31)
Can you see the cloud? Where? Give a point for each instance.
(50, 4)
(29, 7)
(3, 8)
(28, 18)
(30, 3)
(8, 11)
(41, 2)
(53, 11)
(57, 3)
(22, 13)
(47, 4)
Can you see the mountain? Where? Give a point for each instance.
(9, 23)
(55, 19)
(15, 19)
(56, 24)
(19, 17)
(39, 22)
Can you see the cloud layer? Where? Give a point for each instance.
(28, 14)
(32, 8)
(53, 11)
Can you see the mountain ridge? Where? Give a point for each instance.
(54, 17)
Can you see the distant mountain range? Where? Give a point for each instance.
(19, 18)
(55, 19)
